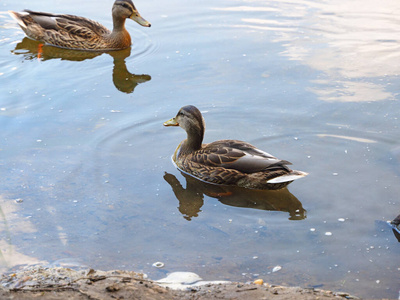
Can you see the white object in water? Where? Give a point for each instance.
(276, 269)
(158, 264)
(184, 280)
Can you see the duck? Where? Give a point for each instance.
(227, 162)
(79, 33)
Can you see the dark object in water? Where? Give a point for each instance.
(396, 221)
(395, 224)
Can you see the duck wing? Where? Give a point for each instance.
(238, 155)
(73, 25)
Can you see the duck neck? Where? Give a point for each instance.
(118, 24)
(119, 34)
(193, 141)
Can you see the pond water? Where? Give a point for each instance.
(86, 167)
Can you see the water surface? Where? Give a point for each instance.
(85, 161)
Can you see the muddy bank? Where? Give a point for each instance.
(64, 283)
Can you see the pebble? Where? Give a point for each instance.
(276, 269)
(259, 281)
(158, 264)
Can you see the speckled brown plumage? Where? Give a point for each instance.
(228, 162)
(73, 32)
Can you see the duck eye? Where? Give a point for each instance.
(124, 5)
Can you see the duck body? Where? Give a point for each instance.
(227, 162)
(74, 32)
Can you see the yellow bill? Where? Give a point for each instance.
(171, 122)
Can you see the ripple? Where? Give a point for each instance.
(127, 140)
(351, 138)
(120, 130)
(143, 45)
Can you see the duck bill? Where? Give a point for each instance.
(138, 18)
(171, 122)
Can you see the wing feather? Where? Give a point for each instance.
(237, 155)
(74, 25)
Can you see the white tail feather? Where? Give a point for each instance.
(288, 177)
(16, 17)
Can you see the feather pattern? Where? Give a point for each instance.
(74, 32)
(229, 162)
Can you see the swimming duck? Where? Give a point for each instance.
(227, 162)
(73, 32)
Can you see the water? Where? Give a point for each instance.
(85, 161)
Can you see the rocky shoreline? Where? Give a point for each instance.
(64, 283)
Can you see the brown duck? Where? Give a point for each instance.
(228, 162)
(73, 32)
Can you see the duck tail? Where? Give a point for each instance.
(17, 17)
(293, 175)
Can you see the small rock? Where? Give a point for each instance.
(158, 264)
(276, 269)
(112, 288)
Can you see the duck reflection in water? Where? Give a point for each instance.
(123, 80)
(191, 199)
